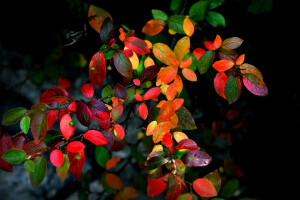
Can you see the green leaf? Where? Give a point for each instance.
(185, 119)
(232, 89)
(101, 155)
(13, 115)
(29, 165)
(215, 19)
(229, 188)
(25, 123)
(40, 168)
(122, 64)
(214, 3)
(52, 137)
(175, 22)
(107, 91)
(159, 14)
(205, 61)
(197, 10)
(64, 168)
(14, 156)
(175, 6)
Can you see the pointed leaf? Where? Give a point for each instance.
(152, 93)
(76, 163)
(227, 54)
(156, 187)
(137, 45)
(122, 64)
(164, 54)
(120, 91)
(29, 165)
(13, 115)
(223, 65)
(186, 119)
(65, 127)
(161, 130)
(64, 168)
(116, 112)
(188, 27)
(39, 127)
(178, 136)
(250, 69)
(87, 90)
(189, 74)
(215, 179)
(197, 10)
(204, 188)
(107, 30)
(55, 94)
(240, 59)
(171, 91)
(205, 61)
(96, 17)
(34, 149)
(113, 181)
(56, 158)
(96, 137)
(232, 89)
(255, 85)
(83, 114)
(75, 146)
(143, 111)
(153, 27)
(167, 74)
(119, 131)
(97, 69)
(155, 162)
(38, 175)
(215, 19)
(196, 158)
(149, 73)
(232, 43)
(217, 42)
(219, 83)
(181, 48)
(14, 156)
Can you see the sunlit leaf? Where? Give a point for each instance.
(137, 45)
(204, 188)
(153, 27)
(171, 91)
(116, 112)
(217, 42)
(151, 128)
(240, 59)
(167, 74)
(55, 94)
(164, 54)
(178, 136)
(97, 69)
(223, 65)
(51, 118)
(156, 187)
(13, 115)
(250, 69)
(187, 144)
(181, 48)
(161, 130)
(189, 74)
(119, 131)
(56, 158)
(167, 140)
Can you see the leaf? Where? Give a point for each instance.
(143, 111)
(96, 137)
(178, 136)
(240, 59)
(152, 93)
(215, 179)
(215, 19)
(175, 23)
(98, 108)
(55, 94)
(187, 196)
(260, 6)
(75, 146)
(37, 176)
(171, 91)
(137, 45)
(227, 54)
(167, 140)
(64, 168)
(5, 142)
(51, 118)
(153, 27)
(119, 131)
(255, 85)
(5, 165)
(116, 112)
(232, 89)
(214, 3)
(113, 181)
(14, 156)
(56, 158)
(101, 155)
(122, 64)
(189, 74)
(219, 83)
(164, 54)
(155, 162)
(217, 42)
(66, 129)
(19, 142)
(97, 69)
(151, 128)
(156, 187)
(29, 165)
(205, 61)
(83, 114)
(187, 144)
(130, 193)
(34, 149)
(76, 163)
(120, 91)
(223, 65)
(198, 52)
(186, 119)
(197, 10)
(96, 17)
(204, 188)
(161, 130)
(250, 69)
(181, 48)
(149, 73)
(159, 14)
(196, 158)
(25, 124)
(167, 74)
(229, 188)
(111, 163)
(13, 115)
(39, 127)
(87, 90)
(107, 30)
(232, 43)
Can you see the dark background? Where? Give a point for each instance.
(268, 154)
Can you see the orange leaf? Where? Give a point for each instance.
(189, 74)
(179, 84)
(240, 60)
(223, 65)
(96, 17)
(204, 188)
(178, 136)
(162, 129)
(119, 131)
(138, 97)
(122, 34)
(217, 42)
(186, 63)
(171, 91)
(113, 181)
(182, 47)
(148, 62)
(209, 45)
(168, 108)
(156, 187)
(178, 103)
(188, 27)
(151, 128)
(168, 74)
(164, 54)
(130, 193)
(153, 27)
(111, 163)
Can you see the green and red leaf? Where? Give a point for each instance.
(137, 45)
(120, 91)
(232, 89)
(164, 54)
(64, 168)
(149, 73)
(39, 127)
(255, 85)
(153, 27)
(51, 118)
(97, 69)
(116, 112)
(83, 114)
(122, 64)
(52, 95)
(205, 61)
(232, 43)
(204, 188)
(223, 65)
(107, 30)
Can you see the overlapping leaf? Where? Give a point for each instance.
(137, 45)
(122, 64)
(96, 137)
(39, 127)
(97, 69)
(52, 95)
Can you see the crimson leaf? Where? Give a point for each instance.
(55, 94)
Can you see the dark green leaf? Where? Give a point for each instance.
(40, 168)
(14, 156)
(101, 155)
(197, 10)
(215, 19)
(232, 89)
(52, 137)
(260, 6)
(229, 188)
(29, 165)
(107, 30)
(25, 123)
(185, 119)
(155, 162)
(175, 22)
(13, 115)
(214, 3)
(205, 61)
(159, 14)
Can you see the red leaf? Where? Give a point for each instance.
(5, 165)
(116, 112)
(204, 188)
(97, 69)
(64, 82)
(96, 137)
(223, 65)
(209, 45)
(137, 82)
(39, 127)
(152, 93)
(34, 149)
(156, 187)
(122, 64)
(137, 45)
(66, 129)
(87, 90)
(187, 144)
(153, 27)
(98, 109)
(83, 114)
(198, 52)
(120, 91)
(51, 118)
(5, 142)
(76, 163)
(75, 147)
(143, 111)
(168, 74)
(119, 131)
(19, 142)
(255, 85)
(219, 83)
(72, 107)
(167, 140)
(138, 97)
(55, 94)
(56, 158)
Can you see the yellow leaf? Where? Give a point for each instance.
(182, 47)
(179, 136)
(164, 54)
(148, 62)
(151, 128)
(134, 60)
(188, 27)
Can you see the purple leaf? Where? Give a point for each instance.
(196, 159)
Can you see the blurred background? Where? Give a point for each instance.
(260, 132)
